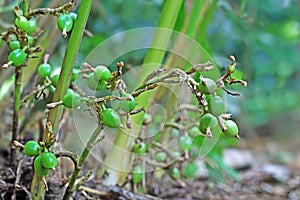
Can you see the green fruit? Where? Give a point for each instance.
(128, 106)
(31, 148)
(139, 148)
(216, 106)
(174, 173)
(102, 73)
(72, 100)
(44, 70)
(207, 86)
(111, 118)
(91, 81)
(48, 160)
(193, 132)
(1, 42)
(207, 120)
(65, 22)
(14, 45)
(137, 174)
(176, 154)
(94, 84)
(73, 15)
(160, 156)
(185, 142)
(101, 85)
(75, 74)
(17, 57)
(31, 26)
(232, 128)
(54, 80)
(190, 170)
(38, 167)
(69, 90)
(22, 23)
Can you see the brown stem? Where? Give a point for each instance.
(15, 119)
(51, 11)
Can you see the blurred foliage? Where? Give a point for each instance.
(264, 36)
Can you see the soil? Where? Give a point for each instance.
(268, 178)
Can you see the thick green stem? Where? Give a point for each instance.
(68, 62)
(210, 8)
(25, 7)
(71, 187)
(118, 157)
(159, 45)
(195, 18)
(188, 51)
(37, 190)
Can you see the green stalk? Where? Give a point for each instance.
(68, 62)
(117, 162)
(161, 38)
(71, 187)
(25, 7)
(37, 189)
(15, 120)
(195, 18)
(187, 51)
(17, 103)
(202, 28)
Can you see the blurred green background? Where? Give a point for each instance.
(263, 35)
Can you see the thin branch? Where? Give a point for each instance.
(18, 176)
(68, 154)
(52, 11)
(201, 67)
(84, 154)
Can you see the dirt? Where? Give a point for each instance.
(267, 179)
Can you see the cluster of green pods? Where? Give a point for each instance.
(44, 160)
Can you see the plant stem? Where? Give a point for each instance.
(25, 7)
(210, 8)
(68, 63)
(194, 27)
(161, 38)
(17, 103)
(196, 15)
(71, 187)
(37, 190)
(118, 158)
(15, 119)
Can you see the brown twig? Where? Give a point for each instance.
(34, 93)
(68, 154)
(18, 176)
(201, 67)
(144, 89)
(52, 11)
